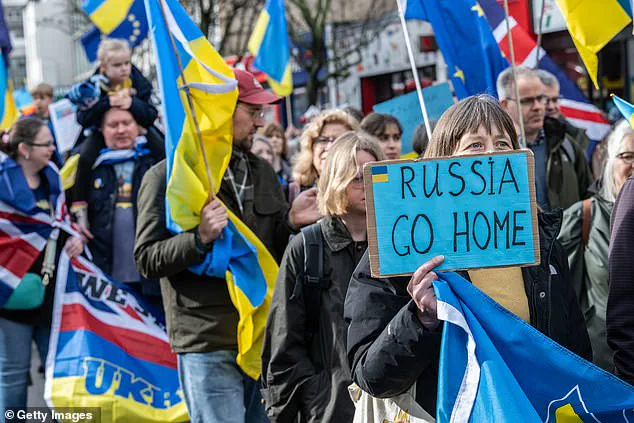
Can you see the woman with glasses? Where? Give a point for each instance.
(388, 130)
(29, 184)
(316, 140)
(304, 367)
(585, 235)
(394, 335)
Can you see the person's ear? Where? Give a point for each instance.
(24, 150)
(504, 103)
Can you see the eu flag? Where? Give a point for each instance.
(271, 48)
(466, 41)
(123, 19)
(239, 256)
(494, 367)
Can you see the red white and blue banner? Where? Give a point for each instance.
(109, 349)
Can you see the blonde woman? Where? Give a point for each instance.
(304, 367)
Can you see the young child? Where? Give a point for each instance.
(122, 85)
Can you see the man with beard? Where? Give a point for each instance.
(562, 175)
(201, 319)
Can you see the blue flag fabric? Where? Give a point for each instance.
(5, 40)
(466, 41)
(90, 42)
(494, 367)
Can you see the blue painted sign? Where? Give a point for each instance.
(406, 109)
(477, 210)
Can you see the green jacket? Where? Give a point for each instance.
(567, 169)
(589, 270)
(199, 313)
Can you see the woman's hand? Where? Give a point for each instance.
(74, 246)
(422, 292)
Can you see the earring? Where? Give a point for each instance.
(27, 157)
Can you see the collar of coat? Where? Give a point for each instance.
(335, 233)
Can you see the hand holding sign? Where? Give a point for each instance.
(422, 292)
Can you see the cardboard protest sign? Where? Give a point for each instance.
(476, 210)
(406, 109)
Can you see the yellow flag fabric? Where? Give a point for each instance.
(249, 268)
(10, 114)
(592, 24)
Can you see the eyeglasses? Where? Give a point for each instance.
(323, 140)
(357, 181)
(529, 101)
(44, 144)
(255, 113)
(626, 156)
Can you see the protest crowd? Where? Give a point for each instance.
(251, 260)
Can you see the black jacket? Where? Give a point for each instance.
(389, 349)
(304, 376)
(144, 113)
(102, 198)
(620, 317)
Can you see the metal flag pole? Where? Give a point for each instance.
(190, 102)
(517, 90)
(419, 90)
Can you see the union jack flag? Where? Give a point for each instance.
(574, 105)
(25, 228)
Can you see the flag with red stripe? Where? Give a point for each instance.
(109, 349)
(574, 105)
(25, 228)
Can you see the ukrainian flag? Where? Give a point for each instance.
(269, 44)
(626, 109)
(238, 255)
(379, 174)
(592, 24)
(123, 19)
(8, 111)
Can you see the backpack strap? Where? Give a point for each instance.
(585, 221)
(314, 277)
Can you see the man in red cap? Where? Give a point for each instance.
(201, 319)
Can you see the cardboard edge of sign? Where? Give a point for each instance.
(373, 248)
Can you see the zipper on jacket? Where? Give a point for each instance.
(549, 287)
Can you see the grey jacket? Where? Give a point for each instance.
(310, 380)
(589, 270)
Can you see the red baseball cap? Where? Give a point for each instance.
(250, 91)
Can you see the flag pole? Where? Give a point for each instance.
(289, 112)
(517, 90)
(419, 90)
(190, 103)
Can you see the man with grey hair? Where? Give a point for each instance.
(551, 91)
(562, 175)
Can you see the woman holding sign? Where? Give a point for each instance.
(394, 334)
(304, 366)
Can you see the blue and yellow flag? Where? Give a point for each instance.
(123, 19)
(626, 109)
(271, 48)
(8, 111)
(239, 256)
(592, 24)
(494, 367)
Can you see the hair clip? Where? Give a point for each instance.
(5, 137)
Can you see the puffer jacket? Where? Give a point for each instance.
(300, 375)
(389, 349)
(589, 270)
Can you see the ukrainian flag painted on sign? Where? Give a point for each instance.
(495, 367)
(379, 174)
(125, 19)
(8, 111)
(626, 109)
(592, 24)
(239, 256)
(269, 44)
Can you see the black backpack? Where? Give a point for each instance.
(315, 278)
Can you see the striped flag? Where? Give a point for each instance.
(24, 228)
(574, 105)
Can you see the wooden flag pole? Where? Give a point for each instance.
(190, 103)
(517, 90)
(419, 90)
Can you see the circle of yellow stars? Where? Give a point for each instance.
(136, 24)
